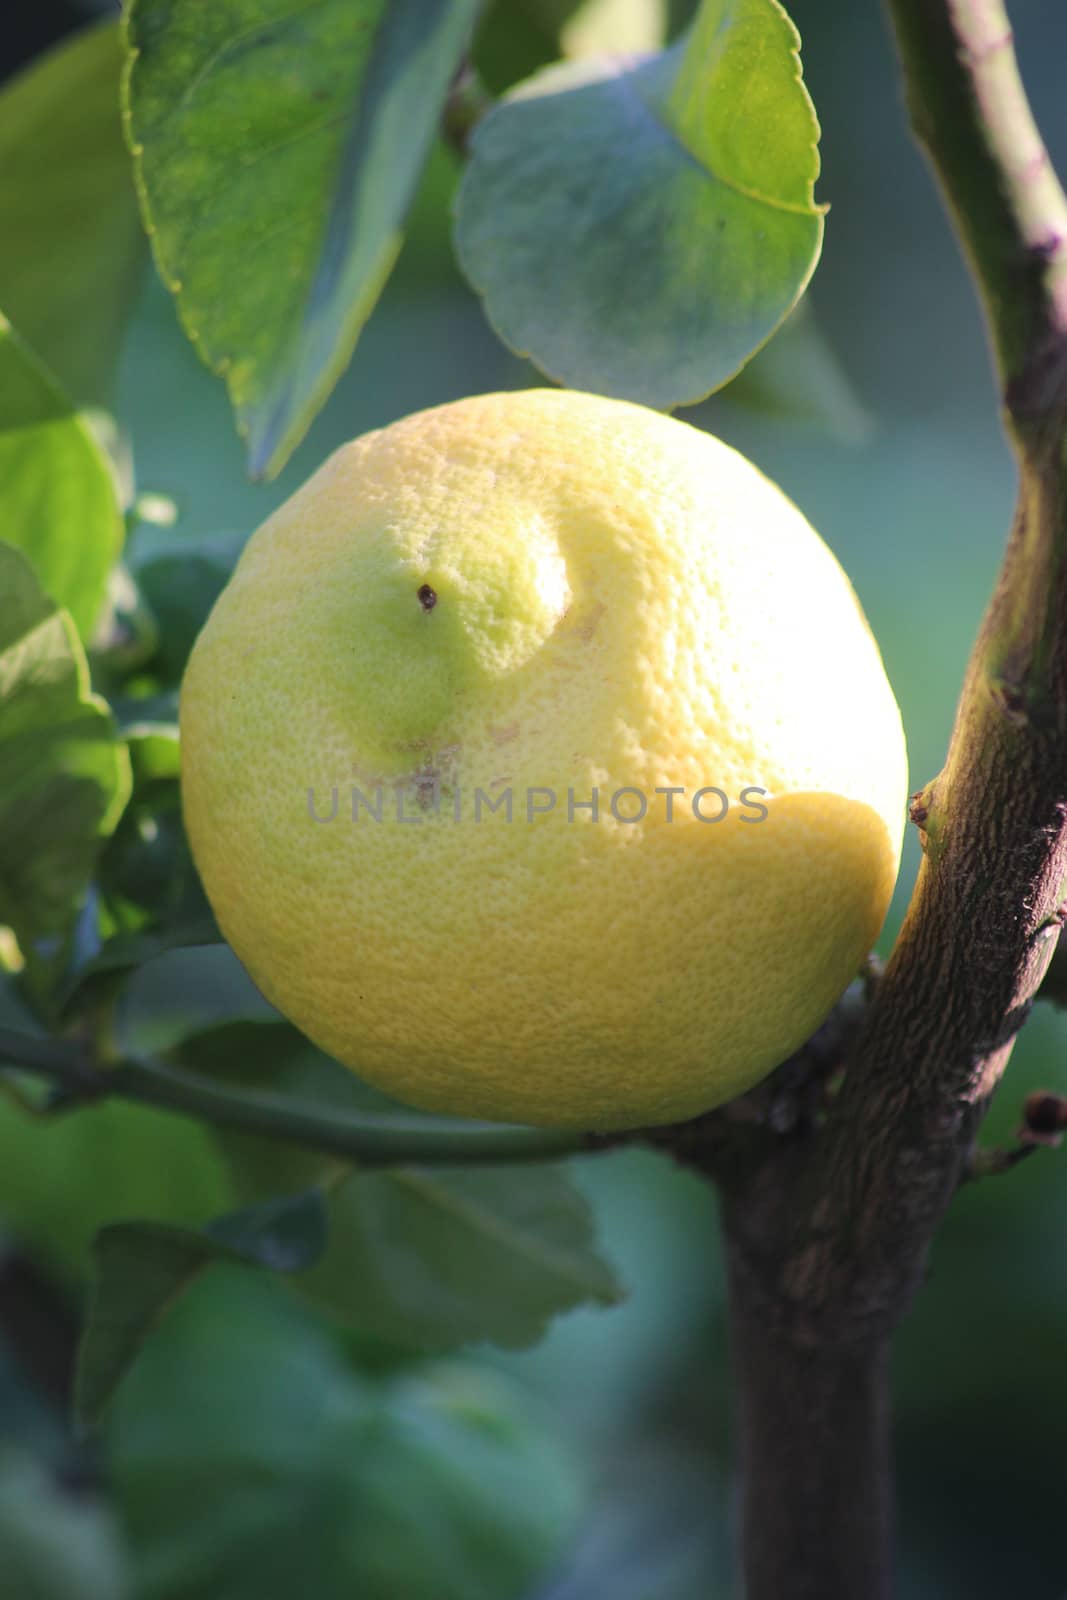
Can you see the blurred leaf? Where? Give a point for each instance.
(641, 228)
(516, 37)
(134, 710)
(181, 587)
(249, 1462)
(118, 957)
(184, 990)
(64, 778)
(57, 491)
(126, 636)
(285, 1234)
(437, 1259)
(799, 376)
(148, 882)
(73, 243)
(63, 1177)
(269, 1054)
(55, 1546)
(417, 1258)
(255, 1048)
(142, 1268)
(14, 1013)
(155, 750)
(277, 151)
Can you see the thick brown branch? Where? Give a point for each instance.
(813, 1441)
(828, 1238)
(981, 928)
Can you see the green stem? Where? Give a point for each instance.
(368, 1140)
(64, 1064)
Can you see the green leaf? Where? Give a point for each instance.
(641, 227)
(249, 1462)
(183, 990)
(155, 750)
(58, 500)
(425, 1259)
(133, 711)
(148, 883)
(181, 586)
(516, 37)
(64, 777)
(73, 243)
(253, 1047)
(142, 1268)
(432, 1260)
(63, 1177)
(57, 1546)
(112, 964)
(277, 150)
(173, 581)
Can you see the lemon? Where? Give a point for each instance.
(540, 765)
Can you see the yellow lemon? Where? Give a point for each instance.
(541, 766)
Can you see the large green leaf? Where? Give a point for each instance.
(73, 246)
(434, 1259)
(421, 1258)
(277, 149)
(64, 1177)
(142, 1268)
(640, 227)
(64, 775)
(250, 1463)
(58, 500)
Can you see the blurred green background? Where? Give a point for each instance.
(617, 1429)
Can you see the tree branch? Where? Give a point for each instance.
(828, 1238)
(986, 912)
(713, 1143)
(368, 1140)
(969, 109)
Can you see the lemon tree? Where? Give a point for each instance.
(527, 786)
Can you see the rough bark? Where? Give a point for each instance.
(829, 1229)
(813, 1450)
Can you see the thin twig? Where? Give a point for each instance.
(369, 1140)
(993, 1160)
